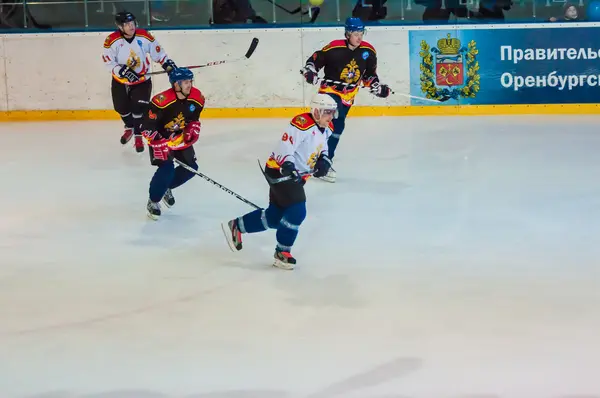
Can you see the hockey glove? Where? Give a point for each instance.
(159, 145)
(160, 149)
(310, 74)
(380, 90)
(322, 166)
(169, 65)
(289, 169)
(127, 73)
(192, 132)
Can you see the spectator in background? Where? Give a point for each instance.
(234, 12)
(438, 11)
(571, 14)
(370, 10)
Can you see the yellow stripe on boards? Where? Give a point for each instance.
(357, 111)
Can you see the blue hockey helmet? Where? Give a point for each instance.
(354, 24)
(180, 74)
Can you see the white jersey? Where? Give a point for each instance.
(302, 144)
(118, 52)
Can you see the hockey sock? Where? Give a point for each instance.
(137, 124)
(260, 220)
(339, 124)
(182, 175)
(127, 120)
(288, 227)
(161, 180)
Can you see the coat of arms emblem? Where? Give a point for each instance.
(449, 71)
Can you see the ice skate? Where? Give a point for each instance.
(127, 135)
(284, 260)
(330, 176)
(153, 209)
(232, 235)
(139, 144)
(169, 199)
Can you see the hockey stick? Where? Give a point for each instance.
(229, 191)
(248, 54)
(291, 12)
(363, 86)
(273, 181)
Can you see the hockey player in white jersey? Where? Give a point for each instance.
(127, 54)
(301, 151)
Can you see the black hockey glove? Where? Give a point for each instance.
(129, 74)
(169, 65)
(322, 166)
(310, 74)
(289, 169)
(380, 90)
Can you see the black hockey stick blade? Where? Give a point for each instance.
(273, 181)
(291, 12)
(252, 47)
(250, 51)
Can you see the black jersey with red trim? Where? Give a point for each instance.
(169, 115)
(340, 63)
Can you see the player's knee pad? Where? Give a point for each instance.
(293, 216)
(272, 216)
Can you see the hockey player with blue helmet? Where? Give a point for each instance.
(349, 63)
(171, 127)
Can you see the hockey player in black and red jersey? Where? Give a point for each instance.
(302, 149)
(127, 54)
(352, 61)
(171, 127)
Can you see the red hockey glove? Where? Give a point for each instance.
(192, 133)
(160, 149)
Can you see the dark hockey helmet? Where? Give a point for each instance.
(180, 74)
(123, 17)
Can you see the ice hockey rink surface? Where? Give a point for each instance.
(454, 258)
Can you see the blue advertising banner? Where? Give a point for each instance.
(505, 66)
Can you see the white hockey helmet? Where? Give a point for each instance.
(323, 102)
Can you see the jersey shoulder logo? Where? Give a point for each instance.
(303, 121)
(164, 99)
(112, 38)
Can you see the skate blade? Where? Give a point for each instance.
(227, 233)
(281, 265)
(152, 216)
(327, 179)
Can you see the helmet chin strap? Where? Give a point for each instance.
(179, 91)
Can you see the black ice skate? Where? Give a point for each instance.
(169, 199)
(233, 235)
(153, 210)
(330, 176)
(284, 260)
(127, 135)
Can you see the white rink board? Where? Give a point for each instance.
(64, 71)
